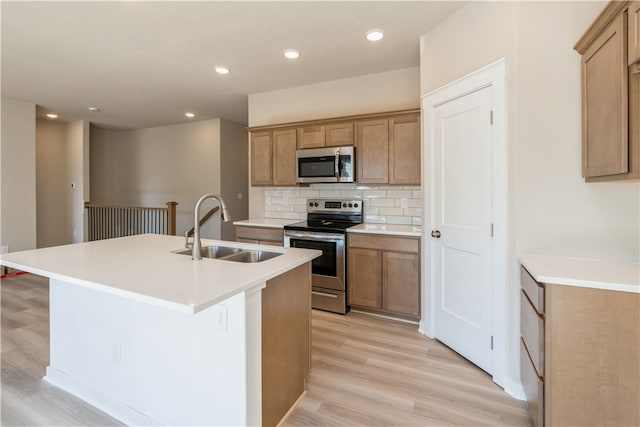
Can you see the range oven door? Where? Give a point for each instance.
(328, 270)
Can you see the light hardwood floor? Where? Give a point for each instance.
(365, 371)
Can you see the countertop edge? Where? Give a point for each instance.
(561, 278)
(385, 232)
(265, 223)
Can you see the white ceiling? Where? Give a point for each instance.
(145, 64)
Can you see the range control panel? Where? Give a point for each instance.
(347, 207)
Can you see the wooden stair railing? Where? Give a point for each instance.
(106, 221)
(202, 221)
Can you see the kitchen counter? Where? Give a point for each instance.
(266, 222)
(144, 268)
(390, 229)
(587, 273)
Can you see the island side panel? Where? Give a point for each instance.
(286, 342)
(171, 367)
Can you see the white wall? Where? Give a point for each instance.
(551, 209)
(60, 162)
(234, 174)
(18, 175)
(149, 167)
(51, 184)
(389, 91)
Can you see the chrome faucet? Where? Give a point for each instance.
(224, 214)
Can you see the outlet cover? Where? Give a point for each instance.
(221, 317)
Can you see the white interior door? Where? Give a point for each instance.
(461, 214)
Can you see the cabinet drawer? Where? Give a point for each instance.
(533, 387)
(533, 289)
(259, 233)
(398, 244)
(532, 331)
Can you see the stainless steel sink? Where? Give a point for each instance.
(251, 255)
(229, 253)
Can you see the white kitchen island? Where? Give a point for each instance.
(153, 338)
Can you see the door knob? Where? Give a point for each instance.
(436, 234)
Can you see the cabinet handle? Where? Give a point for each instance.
(635, 69)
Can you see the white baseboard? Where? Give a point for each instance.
(514, 389)
(98, 399)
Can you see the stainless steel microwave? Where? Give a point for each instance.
(331, 164)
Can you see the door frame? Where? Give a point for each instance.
(491, 75)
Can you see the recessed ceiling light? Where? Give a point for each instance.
(291, 53)
(220, 69)
(190, 115)
(375, 35)
(52, 116)
(94, 109)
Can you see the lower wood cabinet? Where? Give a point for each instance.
(580, 354)
(383, 275)
(260, 235)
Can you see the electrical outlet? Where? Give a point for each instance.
(404, 203)
(221, 317)
(4, 249)
(239, 196)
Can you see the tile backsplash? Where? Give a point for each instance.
(384, 204)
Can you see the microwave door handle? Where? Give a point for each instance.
(337, 166)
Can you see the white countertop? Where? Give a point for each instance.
(587, 273)
(143, 268)
(391, 229)
(266, 222)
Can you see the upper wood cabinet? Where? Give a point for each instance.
(610, 113)
(387, 147)
(634, 32)
(372, 151)
(331, 135)
(605, 103)
(284, 157)
(273, 157)
(388, 150)
(339, 134)
(404, 150)
(311, 137)
(261, 158)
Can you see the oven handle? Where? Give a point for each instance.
(316, 236)
(324, 294)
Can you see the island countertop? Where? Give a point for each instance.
(144, 268)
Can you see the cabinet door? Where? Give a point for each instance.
(604, 102)
(284, 157)
(634, 32)
(364, 278)
(311, 137)
(261, 159)
(401, 283)
(404, 150)
(372, 155)
(339, 135)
